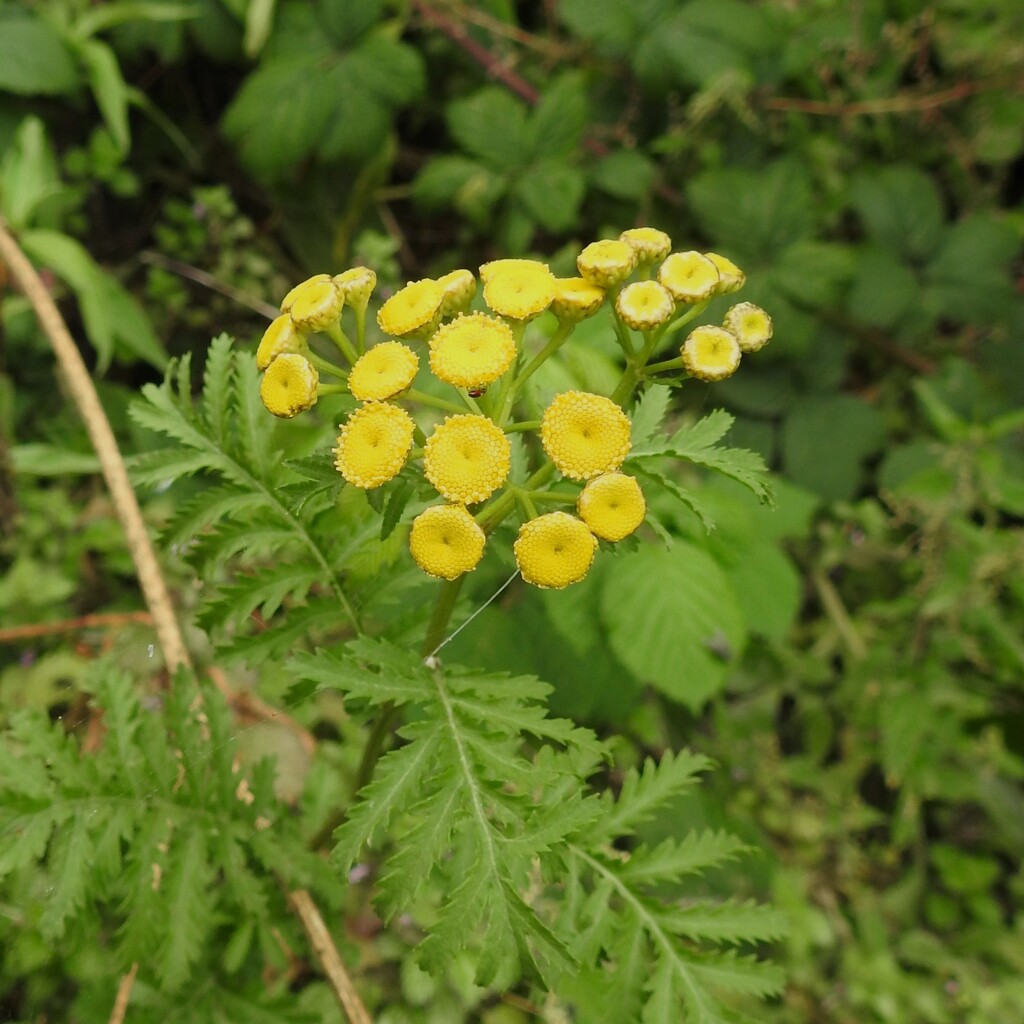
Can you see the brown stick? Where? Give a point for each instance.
(124, 993)
(109, 620)
(83, 393)
(323, 945)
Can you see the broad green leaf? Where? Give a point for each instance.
(673, 620)
(624, 173)
(901, 210)
(825, 441)
(884, 289)
(34, 60)
(109, 88)
(491, 125)
(552, 193)
(560, 118)
(28, 173)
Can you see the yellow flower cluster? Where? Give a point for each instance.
(479, 353)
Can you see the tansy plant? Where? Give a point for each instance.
(476, 816)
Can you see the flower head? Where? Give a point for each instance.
(585, 434)
(290, 385)
(316, 305)
(689, 276)
(554, 550)
(289, 299)
(732, 278)
(650, 244)
(467, 458)
(356, 285)
(751, 325)
(446, 541)
(518, 289)
(711, 353)
(373, 444)
(383, 371)
(472, 351)
(280, 337)
(576, 299)
(644, 305)
(459, 288)
(607, 263)
(413, 311)
(612, 505)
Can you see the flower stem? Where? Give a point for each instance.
(437, 403)
(338, 336)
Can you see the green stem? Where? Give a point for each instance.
(437, 403)
(518, 428)
(491, 516)
(331, 389)
(667, 364)
(360, 328)
(512, 388)
(340, 338)
(325, 365)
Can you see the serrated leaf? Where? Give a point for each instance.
(726, 922)
(491, 125)
(649, 415)
(670, 860)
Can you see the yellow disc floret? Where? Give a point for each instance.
(445, 541)
(518, 289)
(357, 286)
(585, 435)
(711, 353)
(554, 550)
(644, 305)
(459, 288)
(612, 505)
(373, 444)
(280, 337)
(650, 243)
(413, 310)
(289, 386)
(467, 458)
(689, 276)
(607, 263)
(751, 325)
(472, 351)
(289, 299)
(732, 278)
(382, 372)
(317, 305)
(576, 299)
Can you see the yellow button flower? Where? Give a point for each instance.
(689, 276)
(607, 263)
(383, 371)
(289, 299)
(650, 243)
(732, 278)
(576, 299)
(554, 550)
(472, 351)
(467, 458)
(373, 444)
(585, 435)
(356, 285)
(612, 505)
(644, 305)
(317, 305)
(280, 337)
(459, 288)
(413, 310)
(751, 325)
(289, 386)
(711, 353)
(518, 289)
(445, 541)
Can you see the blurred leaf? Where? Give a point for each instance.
(756, 214)
(108, 86)
(34, 60)
(552, 194)
(624, 173)
(884, 289)
(491, 125)
(825, 441)
(28, 173)
(671, 616)
(901, 210)
(259, 20)
(560, 117)
(48, 460)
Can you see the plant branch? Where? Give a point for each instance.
(83, 393)
(327, 953)
(124, 994)
(111, 620)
